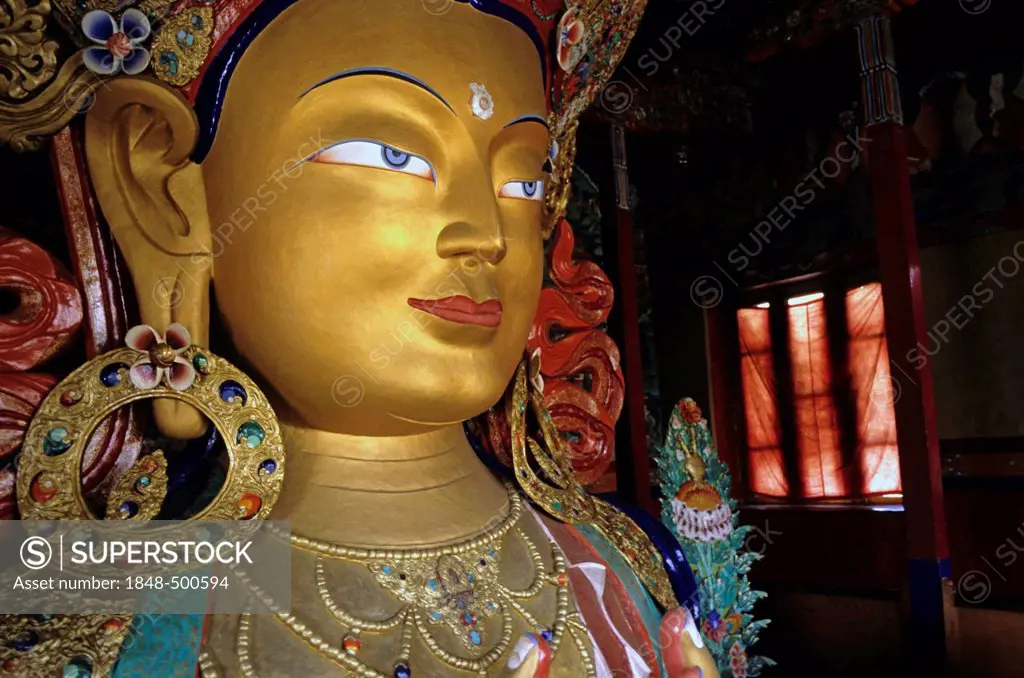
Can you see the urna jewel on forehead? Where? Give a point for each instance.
(194, 45)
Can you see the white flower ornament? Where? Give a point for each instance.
(482, 103)
(121, 43)
(162, 359)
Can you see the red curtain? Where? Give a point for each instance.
(817, 428)
(871, 388)
(767, 470)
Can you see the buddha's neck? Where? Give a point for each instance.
(397, 492)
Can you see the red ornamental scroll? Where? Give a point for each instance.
(583, 384)
(47, 313)
(49, 307)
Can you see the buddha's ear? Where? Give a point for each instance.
(138, 136)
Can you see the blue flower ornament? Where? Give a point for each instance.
(121, 48)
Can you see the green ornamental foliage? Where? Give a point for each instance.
(695, 487)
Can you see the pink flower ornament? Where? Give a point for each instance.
(162, 359)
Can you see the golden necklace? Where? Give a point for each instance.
(453, 587)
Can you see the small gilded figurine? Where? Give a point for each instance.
(355, 194)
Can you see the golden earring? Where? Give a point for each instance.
(560, 493)
(151, 366)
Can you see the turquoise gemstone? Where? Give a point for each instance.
(386, 569)
(474, 637)
(252, 434)
(169, 60)
(79, 667)
(432, 584)
(143, 482)
(435, 615)
(56, 441)
(557, 505)
(201, 363)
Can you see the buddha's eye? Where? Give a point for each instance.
(522, 190)
(374, 154)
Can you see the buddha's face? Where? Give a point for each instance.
(377, 245)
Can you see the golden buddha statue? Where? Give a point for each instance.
(359, 192)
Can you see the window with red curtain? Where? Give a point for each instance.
(871, 388)
(817, 427)
(764, 445)
(826, 462)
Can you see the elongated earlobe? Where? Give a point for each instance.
(138, 138)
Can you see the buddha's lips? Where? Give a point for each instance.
(461, 309)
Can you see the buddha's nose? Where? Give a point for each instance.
(463, 239)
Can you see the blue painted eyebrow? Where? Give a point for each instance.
(387, 73)
(529, 118)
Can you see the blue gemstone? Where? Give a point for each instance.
(546, 634)
(110, 375)
(267, 466)
(232, 392)
(432, 584)
(128, 509)
(474, 637)
(80, 667)
(386, 569)
(402, 671)
(26, 641)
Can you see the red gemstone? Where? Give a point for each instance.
(69, 398)
(147, 465)
(249, 505)
(561, 579)
(10, 666)
(112, 626)
(351, 644)
(43, 488)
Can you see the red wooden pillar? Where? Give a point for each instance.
(632, 360)
(928, 572)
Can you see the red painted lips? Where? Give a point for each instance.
(461, 309)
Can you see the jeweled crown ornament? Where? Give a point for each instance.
(193, 45)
